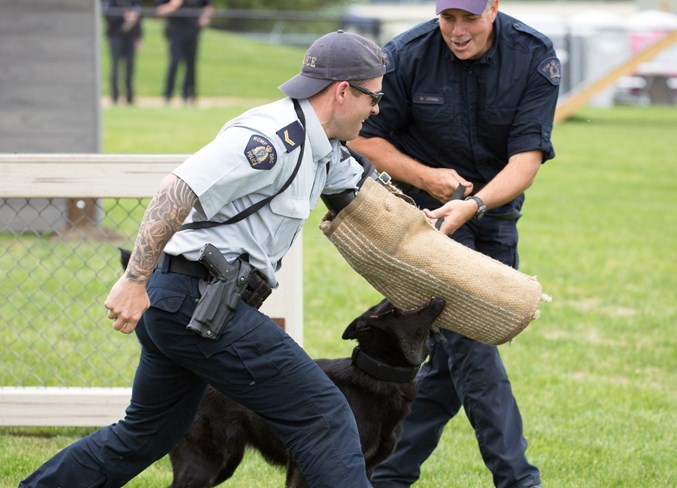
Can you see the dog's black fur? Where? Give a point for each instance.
(377, 382)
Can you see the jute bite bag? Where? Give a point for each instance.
(391, 243)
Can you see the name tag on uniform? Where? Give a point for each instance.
(428, 99)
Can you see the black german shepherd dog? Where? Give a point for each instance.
(377, 381)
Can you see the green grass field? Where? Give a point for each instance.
(595, 375)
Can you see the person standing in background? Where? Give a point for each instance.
(470, 102)
(185, 20)
(123, 29)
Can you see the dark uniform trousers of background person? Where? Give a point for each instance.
(182, 48)
(183, 33)
(478, 377)
(254, 362)
(122, 44)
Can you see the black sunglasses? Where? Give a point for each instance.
(375, 97)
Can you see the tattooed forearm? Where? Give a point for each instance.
(164, 215)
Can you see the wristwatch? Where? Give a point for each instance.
(481, 207)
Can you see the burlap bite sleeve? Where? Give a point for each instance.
(391, 243)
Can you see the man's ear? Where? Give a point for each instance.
(341, 91)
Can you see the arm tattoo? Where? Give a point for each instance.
(164, 215)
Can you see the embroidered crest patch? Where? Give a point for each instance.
(291, 135)
(260, 153)
(551, 69)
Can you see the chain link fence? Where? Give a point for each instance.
(56, 275)
(63, 218)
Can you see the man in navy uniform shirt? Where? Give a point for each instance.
(470, 101)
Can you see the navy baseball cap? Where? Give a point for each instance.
(337, 56)
(473, 6)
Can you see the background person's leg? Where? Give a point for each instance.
(130, 58)
(190, 54)
(483, 385)
(174, 58)
(115, 55)
(435, 404)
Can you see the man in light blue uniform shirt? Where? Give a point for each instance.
(294, 141)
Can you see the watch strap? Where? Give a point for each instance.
(481, 207)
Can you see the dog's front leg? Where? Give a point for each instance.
(295, 478)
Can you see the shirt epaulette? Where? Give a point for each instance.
(414, 33)
(522, 27)
(398, 42)
(291, 135)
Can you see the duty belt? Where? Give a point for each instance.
(257, 290)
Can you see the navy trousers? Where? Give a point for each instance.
(464, 372)
(254, 362)
(122, 48)
(182, 49)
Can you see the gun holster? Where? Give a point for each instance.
(219, 302)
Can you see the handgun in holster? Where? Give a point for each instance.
(223, 293)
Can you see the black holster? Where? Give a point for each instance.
(219, 302)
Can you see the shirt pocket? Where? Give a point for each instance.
(290, 214)
(495, 126)
(292, 208)
(433, 115)
(431, 110)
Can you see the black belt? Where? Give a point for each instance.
(181, 265)
(255, 294)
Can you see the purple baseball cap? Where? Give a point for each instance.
(337, 56)
(473, 6)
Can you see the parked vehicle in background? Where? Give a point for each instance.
(646, 90)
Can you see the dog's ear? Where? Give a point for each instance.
(429, 310)
(361, 323)
(124, 257)
(352, 329)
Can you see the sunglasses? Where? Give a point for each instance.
(375, 97)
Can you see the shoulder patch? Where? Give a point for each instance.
(291, 135)
(260, 153)
(551, 69)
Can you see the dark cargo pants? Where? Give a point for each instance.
(254, 362)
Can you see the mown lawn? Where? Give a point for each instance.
(595, 375)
